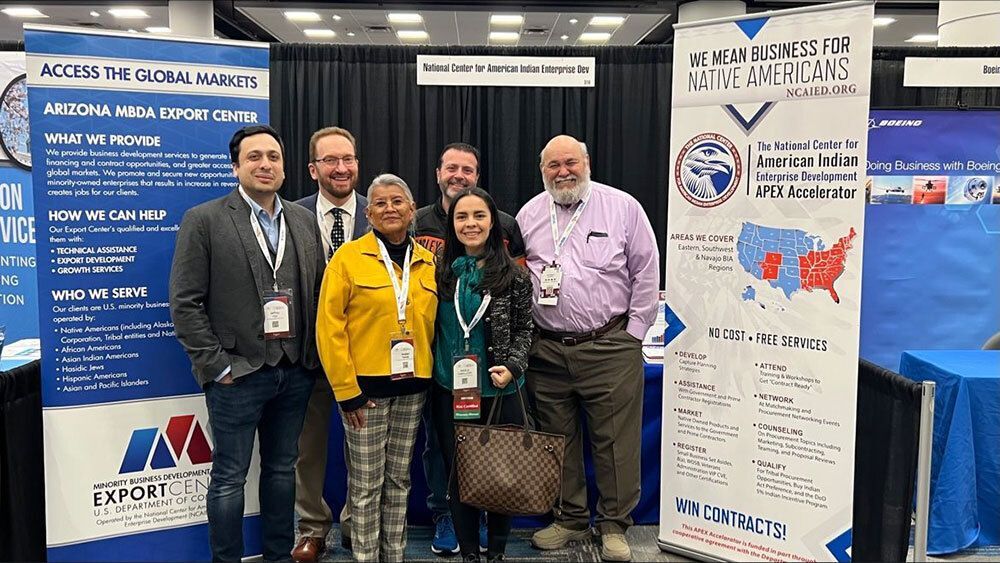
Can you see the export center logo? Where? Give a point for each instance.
(182, 434)
(708, 170)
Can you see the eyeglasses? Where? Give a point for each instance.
(381, 203)
(332, 160)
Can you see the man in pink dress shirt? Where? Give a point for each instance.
(595, 269)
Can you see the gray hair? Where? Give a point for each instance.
(389, 180)
(541, 154)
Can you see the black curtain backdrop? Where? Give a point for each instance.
(401, 127)
(22, 485)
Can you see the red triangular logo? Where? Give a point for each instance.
(177, 432)
(198, 449)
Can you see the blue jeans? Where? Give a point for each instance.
(271, 402)
(434, 469)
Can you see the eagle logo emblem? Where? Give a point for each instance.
(708, 170)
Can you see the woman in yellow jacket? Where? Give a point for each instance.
(374, 332)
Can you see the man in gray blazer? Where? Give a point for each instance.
(243, 290)
(339, 212)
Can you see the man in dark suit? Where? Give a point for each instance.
(339, 211)
(243, 289)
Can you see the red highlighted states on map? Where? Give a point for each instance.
(818, 269)
(770, 265)
(792, 259)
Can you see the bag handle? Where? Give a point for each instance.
(491, 419)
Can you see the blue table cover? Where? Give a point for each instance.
(8, 364)
(965, 462)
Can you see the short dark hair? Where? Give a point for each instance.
(460, 147)
(249, 131)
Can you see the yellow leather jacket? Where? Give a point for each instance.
(357, 315)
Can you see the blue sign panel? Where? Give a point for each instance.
(127, 133)
(933, 243)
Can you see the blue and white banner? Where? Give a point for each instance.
(18, 291)
(765, 230)
(128, 132)
(933, 245)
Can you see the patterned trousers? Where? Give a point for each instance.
(378, 476)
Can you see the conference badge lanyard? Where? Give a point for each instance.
(551, 278)
(466, 395)
(401, 354)
(278, 303)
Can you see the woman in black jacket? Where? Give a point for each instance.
(484, 315)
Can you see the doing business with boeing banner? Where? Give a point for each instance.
(934, 233)
(765, 229)
(127, 133)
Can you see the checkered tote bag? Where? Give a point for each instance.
(508, 469)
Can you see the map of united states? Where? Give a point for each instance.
(791, 259)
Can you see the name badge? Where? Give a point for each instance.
(549, 286)
(278, 307)
(401, 356)
(466, 397)
(465, 372)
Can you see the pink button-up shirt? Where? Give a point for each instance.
(610, 263)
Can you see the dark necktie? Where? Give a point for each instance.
(337, 234)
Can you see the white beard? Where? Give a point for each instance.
(568, 196)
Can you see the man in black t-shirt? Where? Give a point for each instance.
(458, 169)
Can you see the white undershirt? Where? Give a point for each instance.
(324, 206)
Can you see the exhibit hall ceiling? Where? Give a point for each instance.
(441, 22)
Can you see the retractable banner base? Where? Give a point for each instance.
(764, 256)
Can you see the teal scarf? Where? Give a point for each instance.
(469, 298)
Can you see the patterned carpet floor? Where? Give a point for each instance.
(642, 540)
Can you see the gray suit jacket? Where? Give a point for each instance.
(360, 221)
(215, 301)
